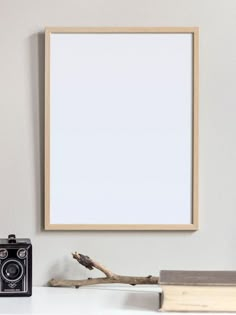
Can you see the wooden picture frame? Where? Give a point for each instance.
(56, 38)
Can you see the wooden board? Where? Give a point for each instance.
(198, 299)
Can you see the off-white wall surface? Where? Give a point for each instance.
(22, 25)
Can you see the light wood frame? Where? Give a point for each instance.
(188, 227)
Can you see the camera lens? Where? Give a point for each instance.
(12, 270)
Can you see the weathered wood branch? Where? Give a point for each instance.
(105, 280)
(111, 277)
(87, 262)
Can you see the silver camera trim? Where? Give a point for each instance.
(26, 253)
(4, 249)
(18, 263)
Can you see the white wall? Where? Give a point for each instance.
(22, 25)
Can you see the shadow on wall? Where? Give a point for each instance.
(37, 64)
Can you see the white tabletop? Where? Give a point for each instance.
(97, 300)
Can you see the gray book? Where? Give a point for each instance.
(178, 277)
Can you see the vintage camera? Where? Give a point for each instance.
(15, 267)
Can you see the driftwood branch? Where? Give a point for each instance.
(90, 264)
(111, 277)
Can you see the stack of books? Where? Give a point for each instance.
(190, 291)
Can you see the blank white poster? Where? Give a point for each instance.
(121, 120)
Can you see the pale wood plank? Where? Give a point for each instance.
(199, 298)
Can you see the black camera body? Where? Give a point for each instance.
(15, 267)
